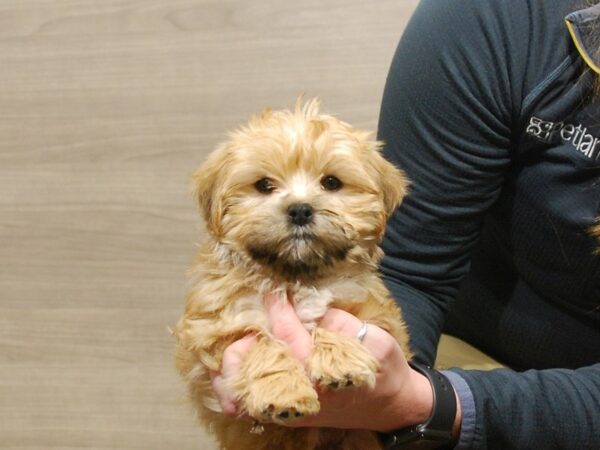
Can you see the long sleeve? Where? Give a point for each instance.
(452, 119)
(536, 409)
(445, 121)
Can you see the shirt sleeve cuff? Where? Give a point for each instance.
(467, 404)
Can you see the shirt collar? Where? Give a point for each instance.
(584, 27)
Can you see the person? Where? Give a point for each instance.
(491, 107)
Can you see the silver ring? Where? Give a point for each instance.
(362, 333)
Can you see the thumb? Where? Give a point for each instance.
(286, 325)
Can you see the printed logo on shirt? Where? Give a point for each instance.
(576, 135)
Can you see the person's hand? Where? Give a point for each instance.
(401, 397)
(232, 360)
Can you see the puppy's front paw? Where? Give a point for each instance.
(281, 397)
(339, 362)
(272, 386)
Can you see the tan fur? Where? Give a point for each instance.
(270, 384)
(338, 362)
(252, 249)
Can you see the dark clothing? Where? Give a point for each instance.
(488, 108)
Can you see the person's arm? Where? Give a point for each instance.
(454, 90)
(445, 120)
(545, 409)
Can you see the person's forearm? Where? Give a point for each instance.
(464, 423)
(416, 410)
(556, 408)
(457, 420)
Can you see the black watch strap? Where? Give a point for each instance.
(436, 432)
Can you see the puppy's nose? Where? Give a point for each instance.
(300, 213)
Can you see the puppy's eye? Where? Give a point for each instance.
(331, 183)
(264, 186)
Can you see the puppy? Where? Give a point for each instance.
(295, 202)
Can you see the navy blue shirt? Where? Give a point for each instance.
(489, 107)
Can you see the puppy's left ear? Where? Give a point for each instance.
(207, 185)
(392, 181)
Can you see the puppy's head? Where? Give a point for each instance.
(299, 192)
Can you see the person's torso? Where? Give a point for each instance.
(535, 262)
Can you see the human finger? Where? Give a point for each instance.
(232, 360)
(286, 326)
(228, 404)
(378, 341)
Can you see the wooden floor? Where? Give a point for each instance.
(106, 107)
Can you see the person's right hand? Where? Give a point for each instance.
(401, 397)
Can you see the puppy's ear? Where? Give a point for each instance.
(207, 187)
(392, 181)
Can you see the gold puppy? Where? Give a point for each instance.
(295, 202)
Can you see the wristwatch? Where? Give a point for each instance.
(435, 432)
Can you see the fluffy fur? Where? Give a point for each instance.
(253, 247)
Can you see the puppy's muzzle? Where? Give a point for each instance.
(300, 214)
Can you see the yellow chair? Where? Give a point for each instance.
(453, 352)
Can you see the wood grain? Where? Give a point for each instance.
(106, 107)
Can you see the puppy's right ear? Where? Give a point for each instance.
(207, 188)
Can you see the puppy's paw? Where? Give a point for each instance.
(272, 386)
(339, 362)
(281, 397)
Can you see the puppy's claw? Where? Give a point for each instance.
(339, 363)
(282, 415)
